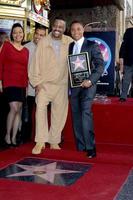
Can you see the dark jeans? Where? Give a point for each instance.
(81, 103)
(127, 79)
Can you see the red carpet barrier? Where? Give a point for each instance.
(113, 122)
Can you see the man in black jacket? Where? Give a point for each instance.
(82, 96)
(126, 62)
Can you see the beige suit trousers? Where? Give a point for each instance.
(58, 96)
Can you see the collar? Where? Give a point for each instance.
(80, 41)
(63, 39)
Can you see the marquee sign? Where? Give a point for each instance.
(38, 18)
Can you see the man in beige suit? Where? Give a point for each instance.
(49, 75)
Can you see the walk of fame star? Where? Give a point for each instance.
(78, 63)
(44, 171)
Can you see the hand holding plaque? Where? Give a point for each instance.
(79, 68)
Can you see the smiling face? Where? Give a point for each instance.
(17, 34)
(77, 31)
(58, 29)
(39, 34)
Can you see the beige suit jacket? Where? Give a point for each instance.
(45, 67)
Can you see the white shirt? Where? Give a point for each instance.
(56, 44)
(78, 43)
(31, 46)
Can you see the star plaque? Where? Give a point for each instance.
(79, 68)
(45, 171)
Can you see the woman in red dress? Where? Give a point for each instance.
(14, 79)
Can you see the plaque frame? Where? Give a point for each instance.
(82, 71)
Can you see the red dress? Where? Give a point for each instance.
(14, 66)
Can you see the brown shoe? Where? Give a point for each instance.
(55, 146)
(38, 148)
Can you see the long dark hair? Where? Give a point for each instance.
(13, 27)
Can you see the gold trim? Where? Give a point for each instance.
(9, 11)
(12, 2)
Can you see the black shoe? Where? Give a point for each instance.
(7, 145)
(91, 153)
(14, 144)
(122, 99)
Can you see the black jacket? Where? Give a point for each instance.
(126, 49)
(95, 58)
